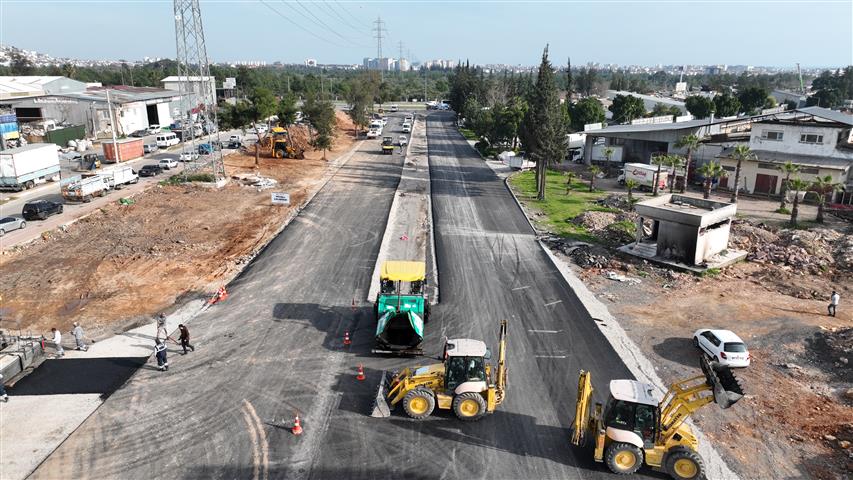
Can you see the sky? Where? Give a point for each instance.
(815, 33)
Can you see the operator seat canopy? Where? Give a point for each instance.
(634, 392)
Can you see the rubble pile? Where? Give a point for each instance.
(616, 201)
(808, 251)
(614, 228)
(583, 254)
(833, 348)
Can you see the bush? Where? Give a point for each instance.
(195, 177)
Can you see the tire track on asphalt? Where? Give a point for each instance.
(253, 436)
(262, 437)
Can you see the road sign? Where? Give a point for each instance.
(280, 198)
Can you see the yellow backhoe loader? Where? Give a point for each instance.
(634, 428)
(463, 383)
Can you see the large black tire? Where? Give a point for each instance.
(419, 403)
(30, 184)
(2, 232)
(696, 343)
(623, 458)
(684, 464)
(469, 407)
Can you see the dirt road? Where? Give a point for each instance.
(117, 267)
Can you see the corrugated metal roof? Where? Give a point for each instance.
(123, 94)
(175, 78)
(31, 79)
(780, 158)
(654, 127)
(828, 114)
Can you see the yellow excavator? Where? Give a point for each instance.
(635, 428)
(279, 144)
(463, 383)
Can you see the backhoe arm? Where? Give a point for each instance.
(501, 380)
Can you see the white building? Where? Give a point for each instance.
(816, 139)
(203, 86)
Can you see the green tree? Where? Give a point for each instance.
(544, 133)
(630, 185)
(788, 168)
(752, 99)
(593, 171)
(710, 172)
(608, 154)
(323, 141)
(726, 105)
(674, 163)
(569, 81)
(740, 153)
(661, 110)
(286, 110)
(660, 161)
(797, 185)
(626, 108)
(585, 111)
(824, 187)
(587, 81)
(570, 178)
(700, 107)
(691, 143)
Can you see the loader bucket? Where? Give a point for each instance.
(727, 390)
(381, 409)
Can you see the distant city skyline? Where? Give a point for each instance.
(644, 33)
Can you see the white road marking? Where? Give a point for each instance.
(550, 356)
(520, 288)
(553, 303)
(544, 331)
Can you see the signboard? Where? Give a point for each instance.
(592, 126)
(229, 83)
(280, 198)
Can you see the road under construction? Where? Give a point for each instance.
(276, 349)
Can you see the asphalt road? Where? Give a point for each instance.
(275, 348)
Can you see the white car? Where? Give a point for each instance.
(189, 156)
(403, 141)
(372, 133)
(261, 128)
(168, 163)
(722, 346)
(152, 129)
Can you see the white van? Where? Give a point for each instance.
(167, 140)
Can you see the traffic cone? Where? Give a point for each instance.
(347, 340)
(353, 304)
(297, 426)
(360, 375)
(223, 294)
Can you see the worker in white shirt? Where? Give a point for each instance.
(57, 342)
(833, 303)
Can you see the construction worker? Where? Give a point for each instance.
(185, 338)
(3, 395)
(833, 303)
(160, 353)
(57, 342)
(77, 333)
(162, 333)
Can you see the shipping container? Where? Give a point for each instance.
(61, 136)
(24, 167)
(128, 149)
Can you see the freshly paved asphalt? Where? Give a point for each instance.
(274, 348)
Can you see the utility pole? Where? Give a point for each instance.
(802, 86)
(113, 127)
(194, 68)
(379, 29)
(400, 60)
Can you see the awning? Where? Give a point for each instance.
(403, 271)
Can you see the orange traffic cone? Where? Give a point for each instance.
(222, 294)
(347, 340)
(297, 426)
(360, 375)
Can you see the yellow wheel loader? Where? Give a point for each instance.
(635, 428)
(464, 383)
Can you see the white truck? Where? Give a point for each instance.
(119, 176)
(23, 167)
(516, 162)
(644, 175)
(83, 189)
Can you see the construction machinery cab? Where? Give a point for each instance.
(387, 145)
(402, 308)
(635, 427)
(281, 145)
(464, 383)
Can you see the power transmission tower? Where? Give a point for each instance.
(196, 86)
(379, 30)
(400, 60)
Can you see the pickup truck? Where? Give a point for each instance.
(83, 189)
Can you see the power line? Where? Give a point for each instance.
(360, 30)
(322, 23)
(300, 26)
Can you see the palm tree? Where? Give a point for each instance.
(593, 171)
(691, 143)
(788, 168)
(674, 162)
(798, 185)
(659, 160)
(630, 185)
(740, 153)
(570, 177)
(823, 186)
(608, 154)
(710, 171)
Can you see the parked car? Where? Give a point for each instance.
(261, 128)
(234, 145)
(403, 141)
(40, 209)
(139, 133)
(152, 129)
(150, 148)
(722, 346)
(168, 163)
(189, 156)
(235, 138)
(11, 223)
(150, 170)
(394, 108)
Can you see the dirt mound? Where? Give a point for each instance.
(819, 251)
(595, 221)
(832, 349)
(617, 201)
(613, 228)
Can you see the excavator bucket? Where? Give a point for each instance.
(381, 409)
(581, 423)
(727, 390)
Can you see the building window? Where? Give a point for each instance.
(811, 138)
(728, 168)
(775, 136)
